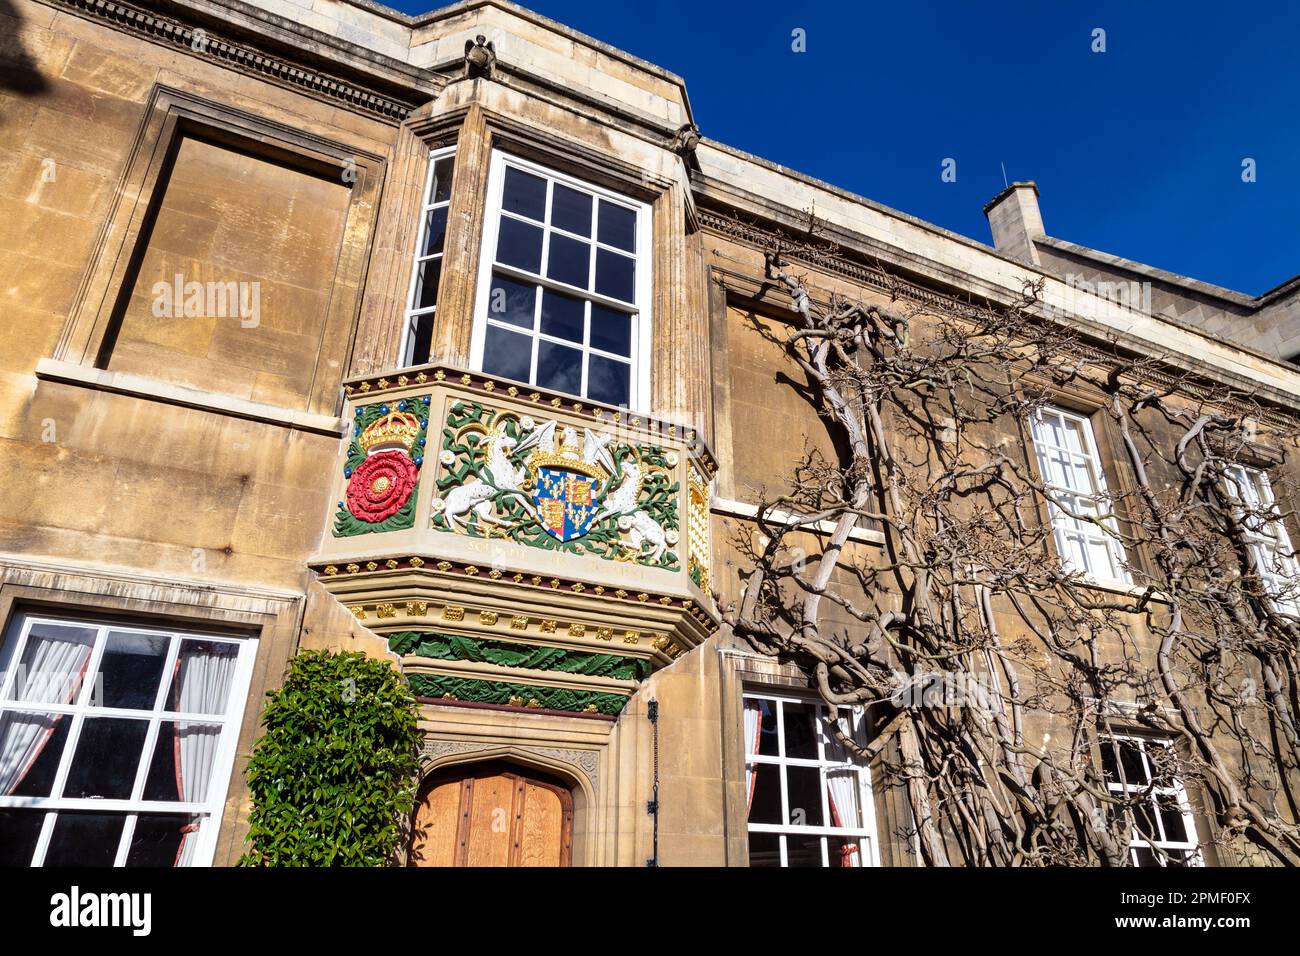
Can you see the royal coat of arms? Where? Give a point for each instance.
(536, 483)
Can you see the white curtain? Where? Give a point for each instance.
(204, 673)
(51, 672)
(842, 786)
(753, 728)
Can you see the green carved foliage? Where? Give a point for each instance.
(460, 647)
(333, 779)
(500, 692)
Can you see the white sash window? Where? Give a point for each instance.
(116, 742)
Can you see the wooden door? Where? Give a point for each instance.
(492, 815)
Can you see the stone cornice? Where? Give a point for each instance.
(242, 55)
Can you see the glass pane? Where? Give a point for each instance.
(764, 850)
(615, 275)
(804, 788)
(507, 354)
(519, 244)
(157, 839)
(765, 805)
(524, 194)
(204, 672)
(562, 315)
(842, 798)
(21, 830)
(85, 839)
(421, 337)
(107, 755)
(426, 285)
(559, 368)
(1144, 856)
(130, 670)
(569, 261)
(609, 381)
(800, 731)
(803, 851)
(617, 226)
(571, 210)
(512, 302)
(1171, 818)
(181, 768)
(767, 739)
(53, 663)
(442, 177)
(30, 747)
(435, 231)
(611, 331)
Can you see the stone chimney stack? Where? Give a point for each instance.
(1015, 220)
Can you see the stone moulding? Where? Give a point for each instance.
(240, 56)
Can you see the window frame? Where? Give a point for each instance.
(866, 834)
(1176, 790)
(1276, 545)
(1061, 522)
(13, 641)
(641, 308)
(410, 313)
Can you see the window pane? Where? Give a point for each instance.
(507, 354)
(767, 739)
(800, 731)
(442, 177)
(512, 302)
(421, 337)
(85, 839)
(562, 315)
(435, 231)
(609, 381)
(426, 286)
(803, 851)
(569, 261)
(764, 850)
(519, 244)
(130, 670)
(571, 210)
(615, 275)
(842, 798)
(51, 670)
(617, 226)
(108, 753)
(1171, 818)
(157, 839)
(765, 807)
(559, 368)
(611, 331)
(30, 747)
(181, 768)
(204, 672)
(842, 852)
(804, 788)
(21, 829)
(524, 194)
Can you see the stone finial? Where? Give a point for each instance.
(480, 57)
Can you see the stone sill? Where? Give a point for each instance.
(138, 386)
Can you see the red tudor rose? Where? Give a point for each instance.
(380, 485)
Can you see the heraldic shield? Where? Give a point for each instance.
(567, 501)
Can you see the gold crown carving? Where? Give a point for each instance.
(394, 430)
(568, 457)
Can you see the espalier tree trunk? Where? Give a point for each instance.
(930, 408)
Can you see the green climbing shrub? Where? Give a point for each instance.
(333, 779)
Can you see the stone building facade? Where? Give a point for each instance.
(430, 337)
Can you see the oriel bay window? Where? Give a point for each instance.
(116, 742)
(810, 802)
(426, 275)
(564, 286)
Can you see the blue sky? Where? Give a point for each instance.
(1136, 151)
